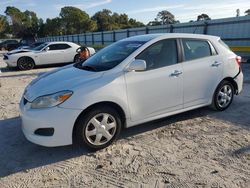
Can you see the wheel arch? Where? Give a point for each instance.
(114, 105)
(26, 57)
(233, 82)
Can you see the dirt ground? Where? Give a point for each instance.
(200, 148)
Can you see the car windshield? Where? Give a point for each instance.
(40, 47)
(111, 56)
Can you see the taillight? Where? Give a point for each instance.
(238, 60)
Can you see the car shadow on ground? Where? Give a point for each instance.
(18, 154)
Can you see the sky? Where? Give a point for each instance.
(142, 10)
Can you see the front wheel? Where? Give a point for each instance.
(98, 128)
(223, 96)
(25, 63)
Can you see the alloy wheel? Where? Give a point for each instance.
(224, 96)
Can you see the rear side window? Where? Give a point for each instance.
(160, 54)
(59, 47)
(64, 46)
(194, 49)
(54, 47)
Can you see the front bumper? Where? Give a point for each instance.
(60, 119)
(9, 61)
(239, 81)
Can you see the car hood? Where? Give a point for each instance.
(61, 79)
(18, 51)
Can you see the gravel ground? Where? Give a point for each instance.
(200, 148)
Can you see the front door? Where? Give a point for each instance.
(54, 55)
(158, 89)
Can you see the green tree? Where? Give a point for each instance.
(133, 23)
(104, 20)
(22, 24)
(52, 27)
(16, 20)
(247, 12)
(155, 22)
(31, 23)
(163, 17)
(3, 26)
(74, 20)
(203, 17)
(166, 17)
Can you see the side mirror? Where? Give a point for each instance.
(78, 50)
(47, 49)
(137, 65)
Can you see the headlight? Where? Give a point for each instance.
(51, 100)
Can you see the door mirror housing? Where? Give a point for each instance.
(46, 49)
(137, 65)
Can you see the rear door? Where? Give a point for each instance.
(202, 71)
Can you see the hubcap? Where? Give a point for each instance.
(224, 96)
(100, 129)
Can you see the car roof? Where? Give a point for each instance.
(149, 37)
(61, 42)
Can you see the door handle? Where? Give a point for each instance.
(216, 64)
(176, 73)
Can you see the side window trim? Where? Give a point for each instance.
(181, 55)
(178, 50)
(211, 47)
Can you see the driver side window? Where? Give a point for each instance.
(160, 54)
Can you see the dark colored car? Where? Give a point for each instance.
(6, 43)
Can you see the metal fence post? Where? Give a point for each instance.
(127, 32)
(78, 39)
(93, 42)
(114, 38)
(146, 30)
(205, 28)
(171, 28)
(85, 38)
(102, 38)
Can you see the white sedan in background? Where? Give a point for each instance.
(47, 53)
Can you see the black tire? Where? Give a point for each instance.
(83, 123)
(25, 63)
(77, 58)
(216, 105)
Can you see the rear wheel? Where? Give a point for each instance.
(98, 128)
(223, 96)
(25, 63)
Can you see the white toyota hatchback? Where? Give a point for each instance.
(130, 82)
